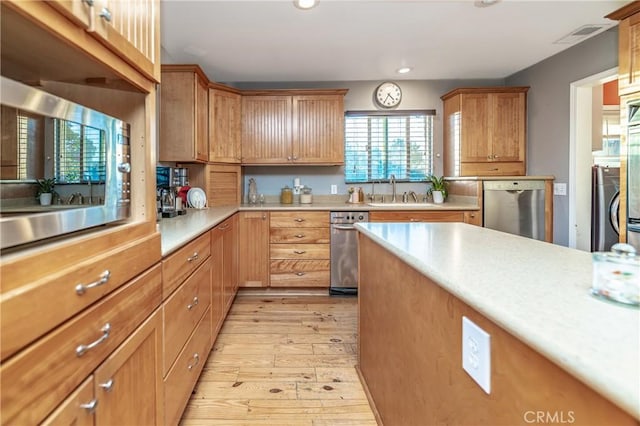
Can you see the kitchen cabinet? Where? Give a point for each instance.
(473, 217)
(417, 216)
(628, 47)
(293, 127)
(131, 29)
(228, 232)
(184, 114)
(485, 131)
(38, 378)
(221, 182)
(254, 246)
(217, 283)
(224, 125)
(299, 249)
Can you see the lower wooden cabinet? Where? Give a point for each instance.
(299, 254)
(78, 409)
(417, 216)
(473, 217)
(184, 374)
(227, 233)
(217, 282)
(36, 380)
(254, 246)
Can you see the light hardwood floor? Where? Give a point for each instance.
(283, 361)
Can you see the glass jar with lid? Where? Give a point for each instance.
(616, 275)
(305, 196)
(286, 195)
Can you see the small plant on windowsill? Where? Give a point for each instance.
(45, 190)
(438, 189)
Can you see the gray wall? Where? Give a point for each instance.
(417, 94)
(548, 111)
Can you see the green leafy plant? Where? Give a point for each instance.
(438, 184)
(46, 186)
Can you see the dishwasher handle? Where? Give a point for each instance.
(344, 227)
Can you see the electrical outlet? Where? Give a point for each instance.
(559, 189)
(334, 189)
(476, 353)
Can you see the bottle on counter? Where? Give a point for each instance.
(360, 195)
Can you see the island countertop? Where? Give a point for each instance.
(536, 291)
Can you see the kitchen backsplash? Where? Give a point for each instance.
(271, 179)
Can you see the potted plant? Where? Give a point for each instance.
(438, 189)
(45, 191)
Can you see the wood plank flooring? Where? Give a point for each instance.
(283, 361)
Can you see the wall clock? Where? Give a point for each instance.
(388, 95)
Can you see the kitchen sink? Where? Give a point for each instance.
(406, 205)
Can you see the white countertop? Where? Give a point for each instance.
(538, 292)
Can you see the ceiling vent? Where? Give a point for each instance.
(583, 33)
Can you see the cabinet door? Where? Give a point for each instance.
(202, 119)
(507, 126)
(417, 216)
(474, 129)
(217, 282)
(178, 116)
(78, 11)
(77, 409)
(318, 129)
(473, 217)
(266, 129)
(254, 246)
(128, 385)
(629, 55)
(132, 29)
(224, 126)
(230, 257)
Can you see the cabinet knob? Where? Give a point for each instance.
(299, 219)
(300, 236)
(107, 386)
(90, 406)
(295, 157)
(299, 251)
(300, 274)
(105, 14)
(196, 360)
(495, 156)
(488, 157)
(289, 158)
(193, 303)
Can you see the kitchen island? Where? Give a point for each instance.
(558, 354)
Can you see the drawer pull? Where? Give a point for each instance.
(80, 350)
(413, 219)
(299, 219)
(300, 236)
(90, 406)
(104, 277)
(196, 359)
(193, 257)
(193, 304)
(223, 227)
(105, 14)
(299, 251)
(300, 274)
(88, 2)
(107, 386)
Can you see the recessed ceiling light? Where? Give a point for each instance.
(485, 3)
(403, 70)
(306, 4)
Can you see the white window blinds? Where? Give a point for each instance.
(381, 144)
(80, 153)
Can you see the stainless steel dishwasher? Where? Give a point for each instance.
(344, 251)
(515, 206)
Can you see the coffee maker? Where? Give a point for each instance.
(169, 181)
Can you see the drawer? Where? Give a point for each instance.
(473, 217)
(297, 235)
(179, 265)
(299, 251)
(70, 411)
(46, 372)
(299, 219)
(31, 310)
(185, 372)
(495, 168)
(183, 310)
(417, 216)
(300, 273)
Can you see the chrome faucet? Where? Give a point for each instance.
(392, 181)
(414, 196)
(90, 200)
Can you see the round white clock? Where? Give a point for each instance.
(388, 95)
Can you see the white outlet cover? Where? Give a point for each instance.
(476, 353)
(334, 189)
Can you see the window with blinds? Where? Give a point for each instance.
(79, 152)
(380, 144)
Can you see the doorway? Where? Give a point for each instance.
(583, 103)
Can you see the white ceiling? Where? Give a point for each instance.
(339, 40)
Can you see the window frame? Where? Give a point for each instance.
(429, 113)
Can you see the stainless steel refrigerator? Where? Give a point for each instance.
(633, 175)
(605, 206)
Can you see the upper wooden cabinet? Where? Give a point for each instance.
(224, 125)
(131, 28)
(184, 110)
(293, 127)
(485, 131)
(628, 47)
